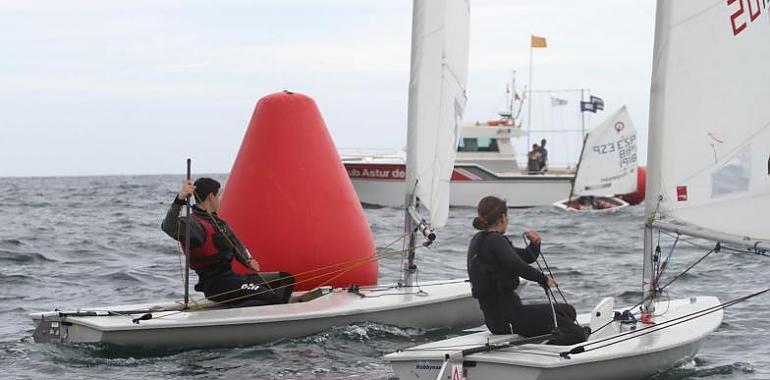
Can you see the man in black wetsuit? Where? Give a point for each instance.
(213, 247)
(494, 268)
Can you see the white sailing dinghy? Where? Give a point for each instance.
(436, 103)
(607, 167)
(708, 177)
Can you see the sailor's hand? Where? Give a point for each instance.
(253, 264)
(533, 236)
(550, 281)
(187, 189)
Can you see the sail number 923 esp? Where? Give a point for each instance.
(625, 144)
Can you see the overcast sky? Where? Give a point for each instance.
(135, 87)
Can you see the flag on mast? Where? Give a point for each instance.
(538, 42)
(598, 102)
(555, 102)
(594, 104)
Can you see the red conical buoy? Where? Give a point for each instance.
(638, 196)
(291, 202)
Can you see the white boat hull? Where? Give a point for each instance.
(382, 185)
(635, 358)
(446, 304)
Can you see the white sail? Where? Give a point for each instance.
(439, 70)
(709, 143)
(608, 162)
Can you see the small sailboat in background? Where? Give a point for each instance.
(436, 103)
(707, 178)
(607, 166)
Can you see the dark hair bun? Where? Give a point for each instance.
(490, 210)
(479, 223)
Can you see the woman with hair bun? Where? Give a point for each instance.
(494, 268)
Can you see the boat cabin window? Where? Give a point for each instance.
(473, 144)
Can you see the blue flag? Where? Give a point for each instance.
(587, 106)
(594, 104)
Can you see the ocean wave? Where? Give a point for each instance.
(359, 332)
(13, 242)
(34, 204)
(17, 279)
(694, 369)
(23, 257)
(119, 276)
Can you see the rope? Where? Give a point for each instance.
(744, 251)
(602, 328)
(660, 326)
(549, 295)
(654, 286)
(664, 263)
(550, 273)
(339, 272)
(715, 249)
(352, 264)
(485, 347)
(351, 268)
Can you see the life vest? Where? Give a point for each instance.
(487, 277)
(207, 255)
(482, 275)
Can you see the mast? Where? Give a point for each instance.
(529, 99)
(654, 152)
(187, 244)
(582, 117)
(577, 170)
(511, 94)
(418, 15)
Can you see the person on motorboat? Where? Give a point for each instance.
(214, 246)
(543, 157)
(494, 268)
(533, 160)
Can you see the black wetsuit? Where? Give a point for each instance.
(217, 280)
(494, 286)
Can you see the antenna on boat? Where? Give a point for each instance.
(187, 244)
(511, 94)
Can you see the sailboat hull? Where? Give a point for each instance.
(635, 358)
(439, 304)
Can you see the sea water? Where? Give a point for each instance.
(80, 241)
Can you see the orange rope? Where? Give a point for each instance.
(338, 273)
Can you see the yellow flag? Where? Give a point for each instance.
(538, 42)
